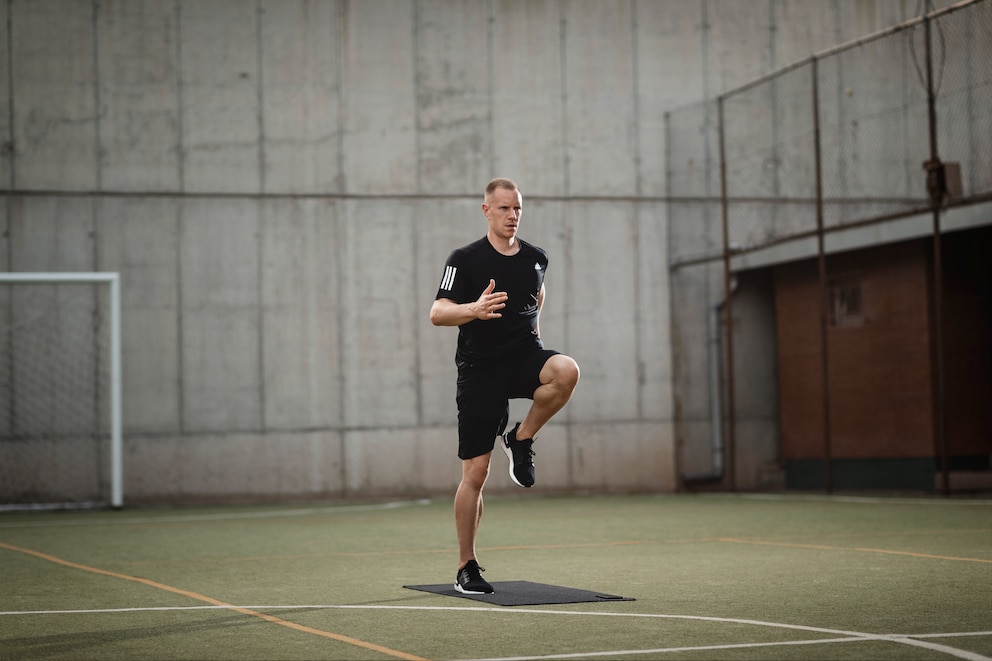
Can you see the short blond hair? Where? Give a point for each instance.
(500, 182)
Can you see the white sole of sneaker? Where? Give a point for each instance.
(509, 455)
(464, 591)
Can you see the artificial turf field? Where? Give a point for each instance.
(713, 577)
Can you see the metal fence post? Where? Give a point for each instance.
(935, 187)
(728, 303)
(824, 288)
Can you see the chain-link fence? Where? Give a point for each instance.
(842, 139)
(872, 121)
(768, 146)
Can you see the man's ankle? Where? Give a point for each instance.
(517, 436)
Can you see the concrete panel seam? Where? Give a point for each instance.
(98, 112)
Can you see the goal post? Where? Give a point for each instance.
(61, 439)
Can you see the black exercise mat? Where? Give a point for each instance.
(523, 593)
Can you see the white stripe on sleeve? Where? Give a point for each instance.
(449, 278)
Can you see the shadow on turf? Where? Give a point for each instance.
(57, 645)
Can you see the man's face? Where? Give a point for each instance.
(503, 212)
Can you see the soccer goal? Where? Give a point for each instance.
(60, 390)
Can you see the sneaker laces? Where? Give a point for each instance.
(472, 571)
(522, 451)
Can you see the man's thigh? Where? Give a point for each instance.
(526, 374)
(482, 399)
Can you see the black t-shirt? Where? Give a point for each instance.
(466, 275)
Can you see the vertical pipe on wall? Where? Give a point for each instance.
(824, 289)
(728, 305)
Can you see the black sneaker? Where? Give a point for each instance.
(520, 454)
(469, 580)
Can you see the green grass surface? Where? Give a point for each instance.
(714, 577)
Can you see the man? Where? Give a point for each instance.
(493, 290)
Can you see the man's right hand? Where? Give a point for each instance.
(490, 301)
(445, 312)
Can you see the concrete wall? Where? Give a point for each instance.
(280, 181)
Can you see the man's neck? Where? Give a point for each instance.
(503, 246)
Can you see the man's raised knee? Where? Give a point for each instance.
(564, 371)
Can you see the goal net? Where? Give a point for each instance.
(60, 390)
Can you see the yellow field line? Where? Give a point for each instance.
(822, 547)
(365, 554)
(210, 600)
(890, 533)
(576, 545)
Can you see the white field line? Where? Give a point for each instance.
(916, 640)
(219, 516)
(865, 500)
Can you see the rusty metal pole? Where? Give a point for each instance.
(824, 288)
(729, 446)
(935, 188)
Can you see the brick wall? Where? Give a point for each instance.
(879, 366)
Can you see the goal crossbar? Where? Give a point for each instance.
(116, 434)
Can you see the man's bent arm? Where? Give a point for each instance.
(445, 312)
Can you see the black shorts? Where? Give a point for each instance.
(484, 395)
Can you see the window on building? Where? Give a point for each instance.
(845, 300)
